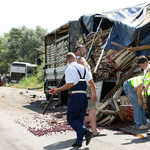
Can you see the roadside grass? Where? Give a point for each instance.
(31, 82)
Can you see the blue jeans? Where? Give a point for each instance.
(148, 106)
(139, 112)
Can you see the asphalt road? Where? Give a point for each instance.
(22, 127)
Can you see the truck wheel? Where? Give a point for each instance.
(48, 96)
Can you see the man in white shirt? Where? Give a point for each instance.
(80, 51)
(77, 77)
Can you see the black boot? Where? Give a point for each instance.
(88, 136)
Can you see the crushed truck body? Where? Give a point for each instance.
(119, 38)
(114, 41)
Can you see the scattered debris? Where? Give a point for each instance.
(21, 92)
(35, 88)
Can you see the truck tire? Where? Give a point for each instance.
(48, 96)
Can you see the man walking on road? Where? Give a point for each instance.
(80, 51)
(77, 77)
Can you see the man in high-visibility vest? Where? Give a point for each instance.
(143, 63)
(131, 88)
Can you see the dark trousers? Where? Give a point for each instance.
(76, 110)
(148, 106)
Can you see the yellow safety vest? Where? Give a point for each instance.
(147, 80)
(135, 81)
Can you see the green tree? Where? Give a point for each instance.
(11, 45)
(3, 62)
(21, 44)
(32, 44)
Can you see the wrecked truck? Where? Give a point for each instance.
(106, 36)
(57, 44)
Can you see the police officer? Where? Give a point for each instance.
(76, 77)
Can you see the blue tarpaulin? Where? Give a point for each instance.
(129, 23)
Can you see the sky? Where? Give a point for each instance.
(51, 14)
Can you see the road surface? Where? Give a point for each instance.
(23, 127)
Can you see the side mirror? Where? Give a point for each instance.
(39, 61)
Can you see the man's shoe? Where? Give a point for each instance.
(88, 136)
(143, 127)
(77, 144)
(148, 125)
(148, 133)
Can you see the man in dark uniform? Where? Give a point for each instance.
(80, 51)
(76, 77)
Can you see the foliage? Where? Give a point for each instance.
(23, 45)
(31, 82)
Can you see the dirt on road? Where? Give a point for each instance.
(26, 107)
(23, 126)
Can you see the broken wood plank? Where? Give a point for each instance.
(118, 93)
(109, 112)
(104, 120)
(118, 110)
(126, 59)
(120, 58)
(115, 97)
(130, 62)
(139, 48)
(120, 83)
(102, 106)
(98, 61)
(51, 98)
(109, 121)
(119, 45)
(99, 116)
